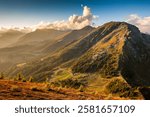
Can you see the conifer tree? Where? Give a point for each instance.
(19, 76)
(31, 79)
(2, 75)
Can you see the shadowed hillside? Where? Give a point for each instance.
(124, 50)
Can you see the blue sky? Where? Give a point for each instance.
(30, 12)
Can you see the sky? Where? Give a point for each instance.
(71, 14)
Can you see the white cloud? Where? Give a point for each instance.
(73, 22)
(143, 23)
(23, 29)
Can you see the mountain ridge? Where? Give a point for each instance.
(109, 48)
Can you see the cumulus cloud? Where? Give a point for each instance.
(143, 23)
(73, 22)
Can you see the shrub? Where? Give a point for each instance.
(72, 83)
(118, 86)
(31, 79)
(46, 80)
(81, 88)
(121, 88)
(19, 77)
(15, 89)
(2, 76)
(24, 79)
(15, 78)
(36, 89)
(48, 87)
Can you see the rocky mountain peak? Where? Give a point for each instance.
(120, 50)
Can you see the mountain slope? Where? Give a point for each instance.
(9, 37)
(40, 35)
(35, 45)
(70, 37)
(15, 90)
(52, 44)
(111, 50)
(25, 47)
(73, 50)
(122, 51)
(108, 48)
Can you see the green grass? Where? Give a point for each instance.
(62, 74)
(96, 82)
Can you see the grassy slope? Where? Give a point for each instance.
(37, 91)
(16, 90)
(93, 83)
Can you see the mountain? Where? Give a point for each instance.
(40, 35)
(36, 44)
(68, 38)
(9, 37)
(123, 51)
(20, 48)
(112, 50)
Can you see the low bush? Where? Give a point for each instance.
(48, 87)
(72, 83)
(31, 79)
(121, 88)
(36, 89)
(24, 80)
(15, 89)
(2, 76)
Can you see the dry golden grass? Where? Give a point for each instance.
(14, 90)
(17, 90)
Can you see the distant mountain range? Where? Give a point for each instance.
(111, 50)
(18, 47)
(9, 37)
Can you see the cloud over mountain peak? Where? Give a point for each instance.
(73, 22)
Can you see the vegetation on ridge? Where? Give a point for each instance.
(94, 60)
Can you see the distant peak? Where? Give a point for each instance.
(87, 27)
(120, 24)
